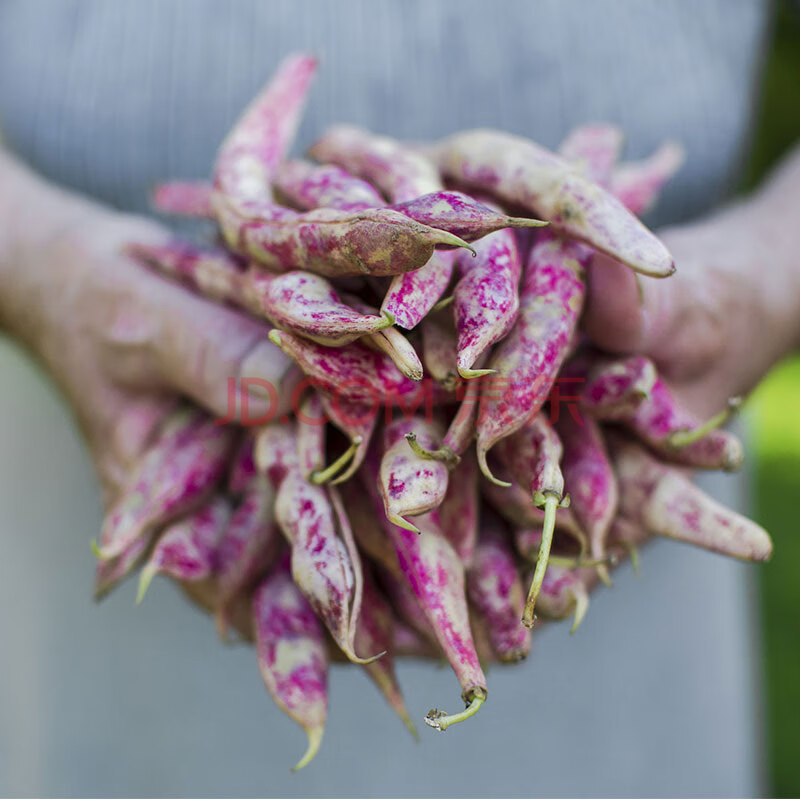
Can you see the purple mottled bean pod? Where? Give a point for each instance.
(663, 500)
(174, 476)
(410, 484)
(528, 360)
(390, 341)
(330, 242)
(563, 594)
(308, 186)
(355, 421)
(461, 215)
(637, 184)
(184, 199)
(247, 547)
(616, 387)
(243, 469)
(460, 509)
(660, 423)
(260, 139)
(440, 348)
(357, 373)
(325, 565)
(486, 298)
(402, 175)
(276, 451)
(593, 150)
(109, 573)
(399, 172)
(369, 529)
(532, 457)
(495, 591)
(520, 172)
(187, 549)
(292, 654)
(435, 575)
(297, 301)
(375, 634)
(589, 479)
(515, 504)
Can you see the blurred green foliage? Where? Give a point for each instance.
(775, 411)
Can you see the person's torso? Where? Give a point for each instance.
(111, 97)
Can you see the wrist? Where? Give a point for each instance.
(33, 214)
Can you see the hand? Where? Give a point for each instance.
(717, 325)
(122, 342)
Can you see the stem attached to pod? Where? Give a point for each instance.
(441, 720)
(551, 503)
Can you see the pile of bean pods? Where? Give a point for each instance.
(431, 297)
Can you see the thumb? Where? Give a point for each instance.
(161, 336)
(626, 312)
(221, 358)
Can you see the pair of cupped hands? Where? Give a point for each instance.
(123, 343)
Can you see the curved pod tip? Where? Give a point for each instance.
(487, 473)
(145, 579)
(314, 741)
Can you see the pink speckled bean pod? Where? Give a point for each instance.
(663, 500)
(175, 475)
(590, 480)
(390, 341)
(184, 199)
(307, 186)
(528, 360)
(616, 387)
(247, 547)
(243, 469)
(460, 509)
(637, 184)
(330, 242)
(680, 437)
(408, 607)
(533, 456)
(516, 506)
(260, 139)
(436, 577)
(410, 484)
(297, 301)
(399, 172)
(375, 634)
(486, 298)
(402, 175)
(187, 549)
(292, 654)
(433, 571)
(563, 595)
(593, 150)
(461, 215)
(440, 348)
(275, 451)
(369, 529)
(357, 373)
(355, 421)
(325, 563)
(461, 430)
(109, 573)
(520, 172)
(495, 591)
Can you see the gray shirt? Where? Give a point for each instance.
(654, 695)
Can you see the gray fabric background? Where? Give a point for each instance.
(656, 694)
